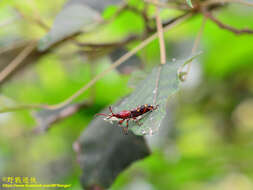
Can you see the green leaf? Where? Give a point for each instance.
(189, 3)
(45, 118)
(103, 152)
(96, 4)
(136, 77)
(144, 94)
(69, 22)
(192, 58)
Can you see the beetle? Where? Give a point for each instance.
(132, 114)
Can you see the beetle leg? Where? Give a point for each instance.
(125, 129)
(137, 121)
(120, 122)
(110, 109)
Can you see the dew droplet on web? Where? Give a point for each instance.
(174, 59)
(154, 91)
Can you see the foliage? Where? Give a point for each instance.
(63, 62)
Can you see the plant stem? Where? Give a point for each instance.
(122, 59)
(17, 61)
(160, 35)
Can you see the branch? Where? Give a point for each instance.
(12, 46)
(45, 123)
(225, 26)
(183, 75)
(34, 19)
(17, 61)
(110, 44)
(171, 21)
(9, 21)
(122, 59)
(20, 107)
(128, 39)
(117, 63)
(166, 5)
(196, 43)
(210, 2)
(160, 35)
(157, 84)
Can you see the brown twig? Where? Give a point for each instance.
(157, 84)
(166, 5)
(128, 39)
(12, 46)
(17, 61)
(183, 75)
(9, 21)
(35, 18)
(225, 26)
(160, 36)
(92, 94)
(45, 124)
(210, 2)
(20, 107)
(170, 21)
(111, 44)
(196, 42)
(115, 64)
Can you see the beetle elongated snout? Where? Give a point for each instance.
(156, 107)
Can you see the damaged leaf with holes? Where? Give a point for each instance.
(103, 152)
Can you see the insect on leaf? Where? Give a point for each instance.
(167, 83)
(103, 152)
(145, 93)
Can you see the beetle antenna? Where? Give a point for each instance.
(107, 115)
(110, 108)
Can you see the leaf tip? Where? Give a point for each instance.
(189, 3)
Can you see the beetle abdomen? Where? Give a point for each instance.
(141, 110)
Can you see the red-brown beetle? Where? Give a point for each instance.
(127, 115)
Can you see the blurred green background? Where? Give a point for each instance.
(208, 140)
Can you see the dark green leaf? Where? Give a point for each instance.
(45, 118)
(136, 77)
(98, 5)
(103, 152)
(69, 22)
(145, 93)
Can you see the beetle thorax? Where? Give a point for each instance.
(123, 114)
